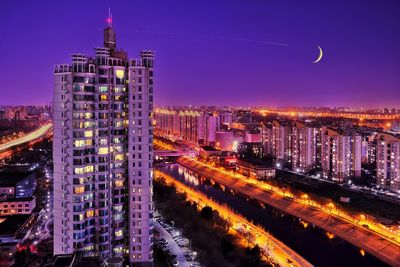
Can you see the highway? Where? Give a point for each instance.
(270, 246)
(361, 233)
(348, 115)
(38, 133)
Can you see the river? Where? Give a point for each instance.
(314, 244)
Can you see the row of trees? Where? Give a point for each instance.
(208, 232)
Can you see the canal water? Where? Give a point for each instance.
(314, 244)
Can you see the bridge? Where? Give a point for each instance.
(173, 153)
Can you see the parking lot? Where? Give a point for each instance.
(174, 244)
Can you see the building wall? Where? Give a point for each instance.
(102, 152)
(388, 162)
(17, 207)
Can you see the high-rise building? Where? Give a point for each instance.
(102, 154)
(340, 155)
(281, 142)
(335, 155)
(190, 125)
(388, 162)
(304, 147)
(266, 138)
(356, 155)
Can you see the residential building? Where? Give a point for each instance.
(102, 152)
(388, 162)
(304, 147)
(17, 193)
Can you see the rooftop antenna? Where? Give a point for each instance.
(109, 19)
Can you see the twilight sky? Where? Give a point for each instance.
(215, 52)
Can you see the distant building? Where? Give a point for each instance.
(396, 126)
(17, 193)
(266, 138)
(16, 113)
(256, 168)
(227, 141)
(225, 117)
(280, 142)
(252, 137)
(248, 150)
(388, 162)
(190, 125)
(340, 155)
(304, 147)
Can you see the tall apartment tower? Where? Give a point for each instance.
(103, 135)
(335, 155)
(340, 155)
(279, 141)
(388, 162)
(304, 147)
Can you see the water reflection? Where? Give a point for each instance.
(312, 243)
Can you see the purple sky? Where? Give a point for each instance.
(216, 52)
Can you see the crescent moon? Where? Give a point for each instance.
(320, 55)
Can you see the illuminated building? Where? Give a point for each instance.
(340, 155)
(190, 125)
(256, 169)
(225, 117)
(227, 141)
(281, 142)
(388, 162)
(266, 138)
(102, 151)
(304, 147)
(15, 113)
(247, 150)
(356, 155)
(17, 193)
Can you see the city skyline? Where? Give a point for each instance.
(359, 43)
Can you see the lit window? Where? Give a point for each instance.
(119, 157)
(79, 143)
(78, 171)
(103, 150)
(89, 213)
(79, 190)
(88, 133)
(118, 233)
(89, 168)
(119, 74)
(103, 89)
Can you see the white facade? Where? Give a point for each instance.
(102, 152)
(388, 162)
(279, 141)
(304, 147)
(335, 155)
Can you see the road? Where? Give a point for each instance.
(270, 246)
(384, 249)
(175, 248)
(38, 133)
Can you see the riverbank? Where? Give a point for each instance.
(361, 237)
(208, 232)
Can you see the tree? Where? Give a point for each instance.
(226, 246)
(206, 213)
